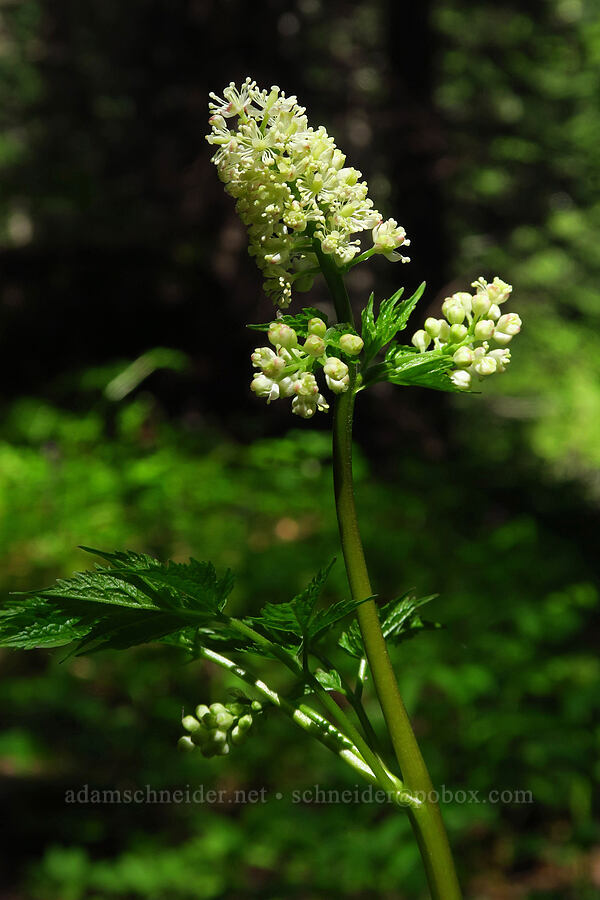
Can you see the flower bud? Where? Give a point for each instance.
(314, 345)
(286, 387)
(494, 312)
(502, 338)
(433, 327)
(481, 304)
(201, 711)
(510, 324)
(317, 326)
(186, 744)
(224, 720)
(237, 736)
(222, 750)
(461, 379)
(454, 311)
(335, 368)
(444, 334)
(191, 724)
(458, 332)
(465, 299)
(256, 706)
(463, 357)
(421, 340)
(351, 344)
(245, 722)
(502, 358)
(219, 736)
(485, 366)
(484, 329)
(282, 335)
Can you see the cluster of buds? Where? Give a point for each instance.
(291, 185)
(216, 727)
(471, 322)
(289, 369)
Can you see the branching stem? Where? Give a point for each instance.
(426, 821)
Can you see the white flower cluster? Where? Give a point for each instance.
(471, 322)
(291, 184)
(288, 371)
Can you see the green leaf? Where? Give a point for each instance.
(135, 600)
(407, 366)
(351, 641)
(330, 680)
(393, 317)
(299, 322)
(399, 622)
(298, 623)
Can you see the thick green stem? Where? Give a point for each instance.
(427, 820)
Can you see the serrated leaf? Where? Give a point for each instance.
(407, 366)
(351, 641)
(330, 680)
(297, 624)
(294, 616)
(400, 621)
(299, 322)
(393, 317)
(136, 600)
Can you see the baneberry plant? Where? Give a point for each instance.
(306, 212)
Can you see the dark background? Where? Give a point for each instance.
(477, 127)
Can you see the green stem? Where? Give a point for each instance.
(385, 777)
(303, 716)
(426, 821)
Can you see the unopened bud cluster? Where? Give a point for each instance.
(215, 728)
(473, 323)
(291, 184)
(289, 369)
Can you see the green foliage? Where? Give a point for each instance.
(399, 622)
(392, 317)
(298, 623)
(134, 601)
(407, 366)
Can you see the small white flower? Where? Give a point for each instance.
(502, 358)
(461, 379)
(484, 330)
(387, 237)
(487, 365)
(463, 357)
(421, 340)
(265, 387)
(510, 323)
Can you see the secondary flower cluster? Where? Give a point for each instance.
(292, 185)
(288, 371)
(471, 322)
(216, 727)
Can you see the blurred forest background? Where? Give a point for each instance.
(127, 421)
